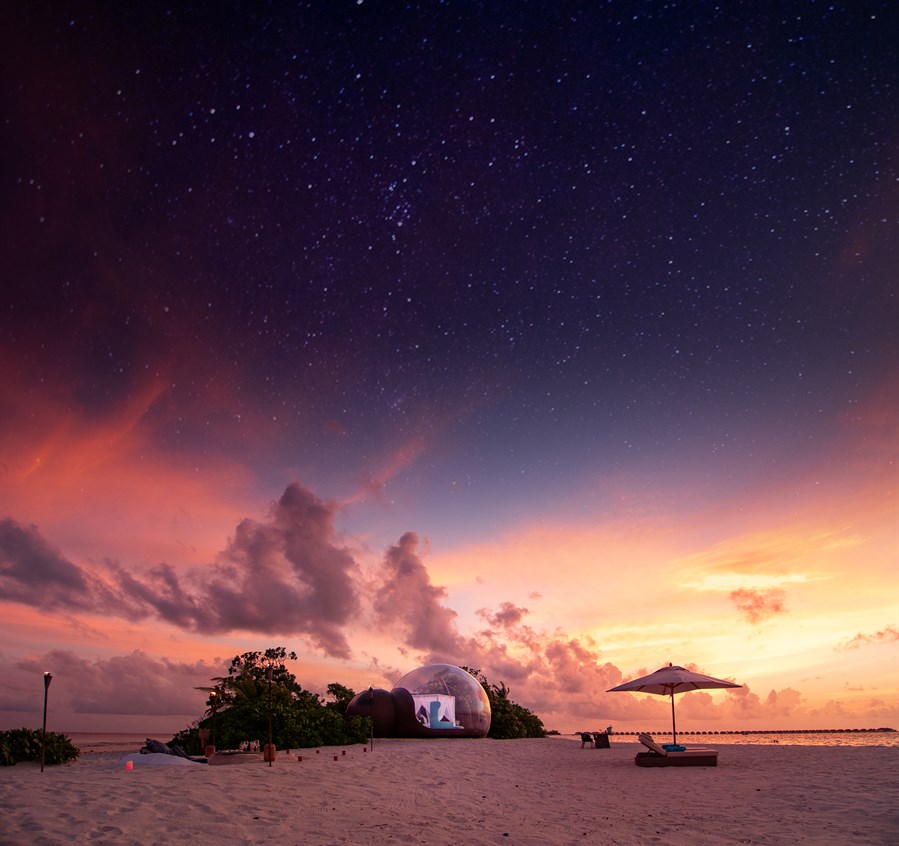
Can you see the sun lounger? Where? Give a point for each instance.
(658, 756)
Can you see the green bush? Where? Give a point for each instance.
(25, 745)
(508, 719)
(297, 723)
(189, 740)
(239, 706)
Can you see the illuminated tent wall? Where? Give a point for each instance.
(438, 700)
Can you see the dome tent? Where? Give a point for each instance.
(437, 700)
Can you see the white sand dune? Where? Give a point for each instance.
(448, 792)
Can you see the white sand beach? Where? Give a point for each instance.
(535, 792)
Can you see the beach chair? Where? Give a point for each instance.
(659, 756)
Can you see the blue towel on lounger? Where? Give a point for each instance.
(673, 747)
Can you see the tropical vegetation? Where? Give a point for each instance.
(259, 690)
(508, 719)
(24, 744)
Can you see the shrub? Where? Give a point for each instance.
(508, 719)
(239, 704)
(189, 740)
(24, 744)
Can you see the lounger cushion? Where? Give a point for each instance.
(650, 744)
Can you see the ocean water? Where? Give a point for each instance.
(99, 741)
(799, 738)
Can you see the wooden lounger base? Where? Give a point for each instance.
(690, 758)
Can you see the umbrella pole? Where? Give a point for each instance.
(673, 724)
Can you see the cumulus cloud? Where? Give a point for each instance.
(739, 706)
(888, 634)
(33, 572)
(406, 598)
(758, 605)
(564, 675)
(133, 684)
(286, 575)
(508, 615)
(289, 574)
(548, 672)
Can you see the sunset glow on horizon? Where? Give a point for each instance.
(393, 340)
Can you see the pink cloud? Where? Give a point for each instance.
(758, 605)
(508, 615)
(286, 575)
(132, 684)
(406, 597)
(888, 634)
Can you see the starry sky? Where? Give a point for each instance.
(556, 340)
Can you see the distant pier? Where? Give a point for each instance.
(667, 729)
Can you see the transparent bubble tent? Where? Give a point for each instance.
(438, 700)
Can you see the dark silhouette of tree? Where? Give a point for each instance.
(239, 705)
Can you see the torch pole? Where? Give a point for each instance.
(47, 679)
(271, 751)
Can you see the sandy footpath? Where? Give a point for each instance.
(450, 792)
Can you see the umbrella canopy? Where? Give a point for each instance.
(666, 681)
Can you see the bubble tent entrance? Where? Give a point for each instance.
(438, 700)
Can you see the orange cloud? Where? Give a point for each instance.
(101, 485)
(132, 684)
(888, 634)
(756, 605)
(287, 574)
(760, 560)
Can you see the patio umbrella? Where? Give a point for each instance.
(666, 681)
